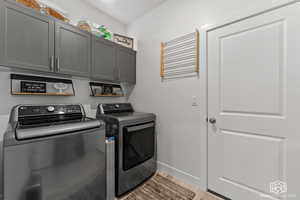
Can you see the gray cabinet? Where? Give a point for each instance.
(26, 38)
(30, 40)
(103, 60)
(72, 50)
(126, 61)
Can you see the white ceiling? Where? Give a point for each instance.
(125, 11)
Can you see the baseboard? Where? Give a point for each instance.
(181, 175)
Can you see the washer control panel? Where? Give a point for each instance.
(32, 110)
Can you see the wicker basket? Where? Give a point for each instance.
(30, 3)
(55, 14)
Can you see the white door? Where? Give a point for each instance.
(254, 106)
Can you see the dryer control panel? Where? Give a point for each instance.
(116, 108)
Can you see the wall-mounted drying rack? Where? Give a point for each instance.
(180, 56)
(22, 84)
(99, 89)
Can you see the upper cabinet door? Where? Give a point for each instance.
(26, 38)
(72, 50)
(103, 60)
(126, 59)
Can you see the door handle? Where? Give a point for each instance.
(212, 120)
(52, 63)
(57, 64)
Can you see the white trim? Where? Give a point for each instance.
(204, 112)
(181, 175)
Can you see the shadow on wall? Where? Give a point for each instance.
(127, 89)
(173, 78)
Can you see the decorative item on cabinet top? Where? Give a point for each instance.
(99, 89)
(52, 9)
(180, 57)
(44, 86)
(45, 8)
(30, 3)
(124, 41)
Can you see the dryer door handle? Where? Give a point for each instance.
(140, 127)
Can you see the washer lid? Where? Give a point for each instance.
(23, 133)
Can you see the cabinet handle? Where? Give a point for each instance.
(57, 64)
(52, 63)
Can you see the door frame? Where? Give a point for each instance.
(203, 75)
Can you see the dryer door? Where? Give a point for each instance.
(138, 145)
(136, 157)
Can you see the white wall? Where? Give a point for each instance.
(80, 8)
(180, 125)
